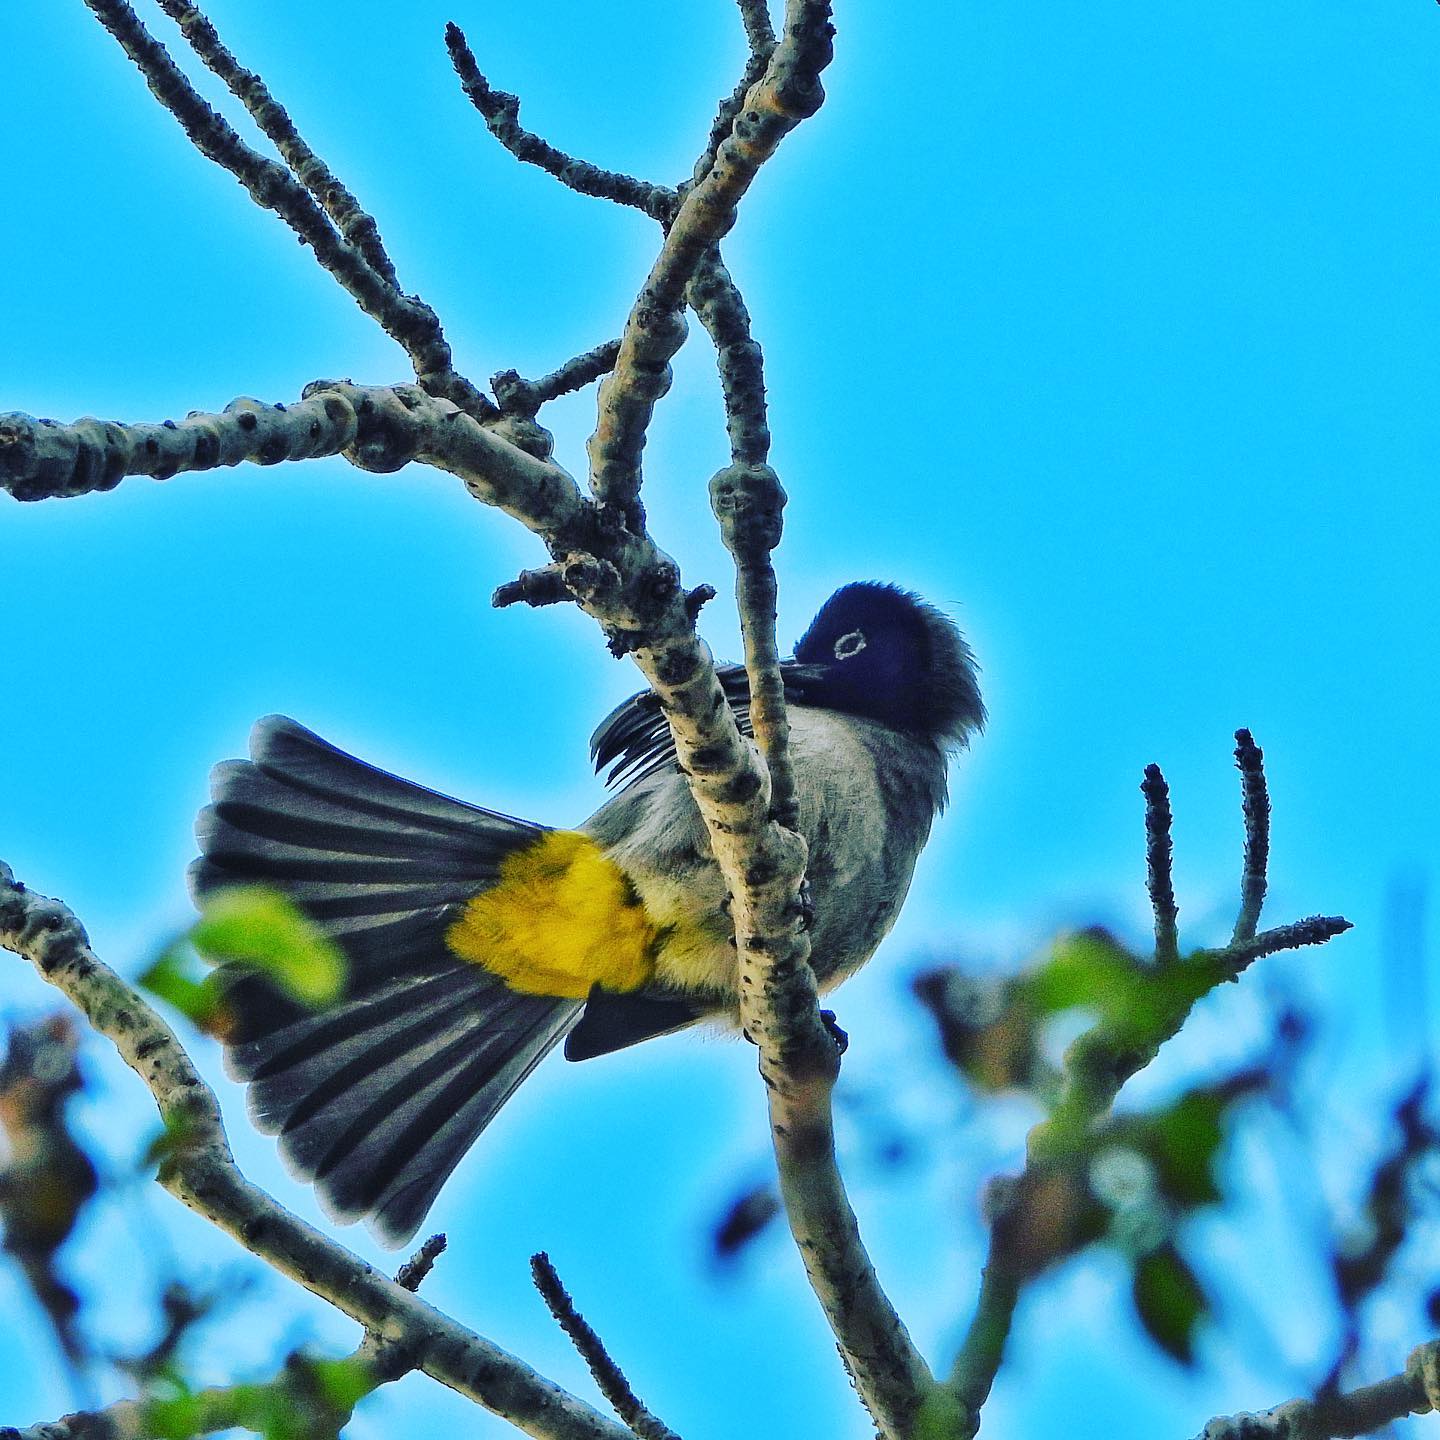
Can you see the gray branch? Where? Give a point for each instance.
(1415, 1391)
(501, 112)
(200, 1171)
(350, 217)
(407, 320)
(41, 460)
(644, 1424)
(788, 92)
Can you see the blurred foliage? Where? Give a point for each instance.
(47, 1179)
(249, 929)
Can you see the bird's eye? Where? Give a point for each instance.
(848, 646)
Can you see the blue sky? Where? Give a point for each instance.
(1109, 328)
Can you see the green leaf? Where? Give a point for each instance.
(343, 1383)
(1169, 1301)
(176, 1132)
(174, 978)
(174, 1417)
(1183, 1143)
(264, 931)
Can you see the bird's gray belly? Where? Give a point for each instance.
(862, 854)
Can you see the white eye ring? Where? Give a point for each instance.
(848, 646)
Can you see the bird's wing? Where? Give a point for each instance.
(634, 739)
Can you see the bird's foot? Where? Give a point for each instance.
(841, 1039)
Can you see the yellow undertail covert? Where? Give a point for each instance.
(560, 919)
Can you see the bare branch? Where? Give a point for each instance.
(358, 227)
(1313, 930)
(748, 501)
(608, 1375)
(759, 32)
(502, 118)
(788, 92)
(545, 586)
(40, 460)
(980, 1355)
(408, 321)
(200, 1171)
(413, 1273)
(1416, 1391)
(1250, 759)
(305, 1393)
(1158, 857)
(717, 301)
(577, 373)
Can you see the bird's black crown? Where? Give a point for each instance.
(877, 650)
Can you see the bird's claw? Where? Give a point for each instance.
(841, 1039)
(804, 906)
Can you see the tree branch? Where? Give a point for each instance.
(310, 1396)
(501, 112)
(1415, 1391)
(1255, 800)
(40, 460)
(1159, 854)
(608, 1375)
(788, 92)
(619, 576)
(1032, 1215)
(200, 1171)
(350, 217)
(407, 320)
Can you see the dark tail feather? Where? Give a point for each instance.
(376, 1098)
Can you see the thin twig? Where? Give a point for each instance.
(545, 586)
(717, 301)
(501, 112)
(412, 1274)
(983, 1348)
(354, 223)
(608, 1375)
(1313, 930)
(407, 320)
(1159, 854)
(1255, 799)
(200, 1170)
(788, 92)
(577, 373)
(759, 32)
(1363, 1411)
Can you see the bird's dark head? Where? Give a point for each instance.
(879, 651)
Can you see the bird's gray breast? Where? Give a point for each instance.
(867, 798)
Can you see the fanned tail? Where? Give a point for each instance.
(377, 1097)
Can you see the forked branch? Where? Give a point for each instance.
(200, 1171)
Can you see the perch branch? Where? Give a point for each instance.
(200, 1171)
(350, 217)
(618, 576)
(408, 321)
(608, 1375)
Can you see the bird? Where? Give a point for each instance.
(476, 942)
